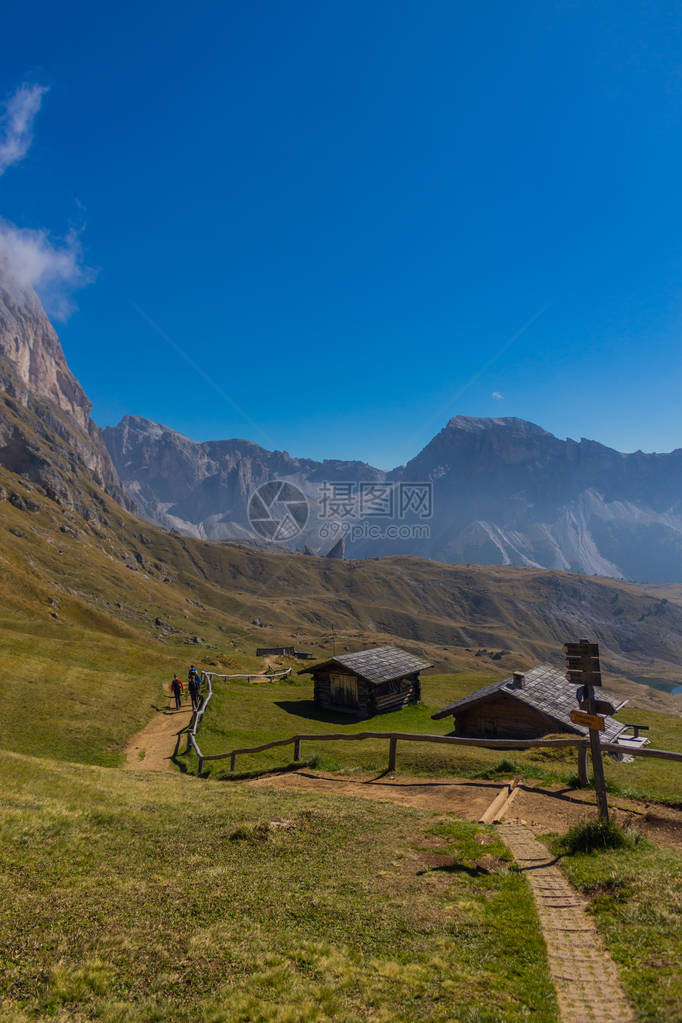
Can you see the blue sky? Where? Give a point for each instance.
(340, 213)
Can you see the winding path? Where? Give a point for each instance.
(152, 749)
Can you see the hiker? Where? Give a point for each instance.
(194, 685)
(177, 690)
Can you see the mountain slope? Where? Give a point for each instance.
(46, 433)
(504, 492)
(98, 609)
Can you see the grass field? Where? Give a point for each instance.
(133, 898)
(242, 714)
(128, 898)
(636, 898)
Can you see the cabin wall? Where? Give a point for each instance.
(371, 699)
(396, 694)
(322, 693)
(503, 718)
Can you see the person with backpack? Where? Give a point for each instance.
(177, 690)
(194, 685)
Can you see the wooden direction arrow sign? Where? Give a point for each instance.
(579, 717)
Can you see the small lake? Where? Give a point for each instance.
(677, 689)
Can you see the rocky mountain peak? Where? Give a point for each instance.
(29, 342)
(46, 433)
(511, 424)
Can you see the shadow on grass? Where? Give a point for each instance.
(456, 868)
(308, 709)
(271, 772)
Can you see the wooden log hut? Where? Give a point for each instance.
(367, 682)
(527, 705)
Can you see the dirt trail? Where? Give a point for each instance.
(153, 748)
(544, 809)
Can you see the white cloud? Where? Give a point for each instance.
(55, 269)
(16, 124)
(31, 258)
(497, 396)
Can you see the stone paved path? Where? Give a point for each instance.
(586, 980)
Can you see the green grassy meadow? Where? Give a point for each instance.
(137, 897)
(132, 897)
(242, 715)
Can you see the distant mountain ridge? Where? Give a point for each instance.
(505, 491)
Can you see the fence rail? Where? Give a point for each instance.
(252, 674)
(198, 715)
(449, 740)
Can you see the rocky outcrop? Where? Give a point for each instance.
(29, 343)
(46, 433)
(338, 551)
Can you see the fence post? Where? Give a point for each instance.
(233, 763)
(297, 750)
(392, 754)
(583, 780)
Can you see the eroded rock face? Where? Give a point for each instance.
(29, 342)
(203, 489)
(46, 433)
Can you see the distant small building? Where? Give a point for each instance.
(282, 651)
(527, 705)
(367, 682)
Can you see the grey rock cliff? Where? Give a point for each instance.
(46, 433)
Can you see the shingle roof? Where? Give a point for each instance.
(382, 664)
(547, 690)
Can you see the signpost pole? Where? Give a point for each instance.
(582, 663)
(597, 762)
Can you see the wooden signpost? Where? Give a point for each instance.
(580, 717)
(582, 666)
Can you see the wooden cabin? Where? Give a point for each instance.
(527, 705)
(367, 682)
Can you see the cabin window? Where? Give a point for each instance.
(344, 690)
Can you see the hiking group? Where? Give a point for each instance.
(193, 685)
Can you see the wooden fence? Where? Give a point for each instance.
(198, 715)
(448, 740)
(251, 674)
